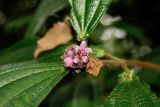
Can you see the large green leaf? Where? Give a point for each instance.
(131, 93)
(86, 14)
(26, 85)
(46, 8)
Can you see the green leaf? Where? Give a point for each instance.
(53, 55)
(131, 93)
(46, 8)
(98, 51)
(82, 102)
(26, 85)
(21, 51)
(17, 23)
(20, 44)
(86, 14)
(73, 95)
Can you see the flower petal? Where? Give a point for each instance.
(76, 60)
(68, 62)
(70, 52)
(88, 50)
(83, 45)
(85, 59)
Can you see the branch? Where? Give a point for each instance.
(132, 63)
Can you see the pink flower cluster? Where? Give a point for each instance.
(76, 57)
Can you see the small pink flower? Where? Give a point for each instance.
(76, 57)
(70, 52)
(76, 60)
(85, 59)
(68, 62)
(83, 45)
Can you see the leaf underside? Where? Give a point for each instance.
(85, 14)
(132, 93)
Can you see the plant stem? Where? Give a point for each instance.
(132, 63)
(123, 64)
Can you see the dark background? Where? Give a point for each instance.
(143, 13)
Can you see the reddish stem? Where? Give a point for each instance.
(132, 63)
